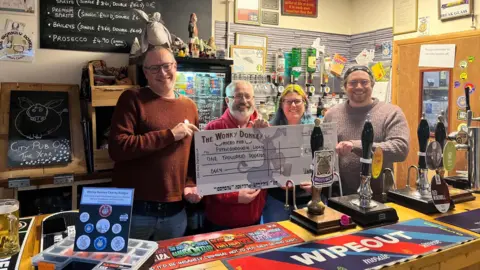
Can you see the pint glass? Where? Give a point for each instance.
(9, 242)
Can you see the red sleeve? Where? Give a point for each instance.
(231, 197)
(123, 143)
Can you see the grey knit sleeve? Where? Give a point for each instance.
(397, 136)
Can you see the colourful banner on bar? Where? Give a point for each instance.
(203, 248)
(362, 250)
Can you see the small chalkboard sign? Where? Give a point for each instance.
(39, 129)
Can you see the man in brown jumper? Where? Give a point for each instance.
(389, 125)
(150, 142)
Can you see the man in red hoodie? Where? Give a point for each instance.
(242, 208)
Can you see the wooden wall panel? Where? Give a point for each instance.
(406, 87)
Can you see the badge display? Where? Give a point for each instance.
(377, 162)
(104, 222)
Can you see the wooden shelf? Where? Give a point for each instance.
(48, 180)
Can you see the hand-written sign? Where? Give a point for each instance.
(307, 8)
(93, 25)
(232, 159)
(209, 108)
(39, 129)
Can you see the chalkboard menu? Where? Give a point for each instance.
(39, 129)
(92, 25)
(209, 109)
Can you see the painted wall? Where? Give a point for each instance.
(370, 15)
(333, 16)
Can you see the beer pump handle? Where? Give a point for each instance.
(440, 131)
(423, 133)
(367, 142)
(467, 97)
(316, 138)
(440, 134)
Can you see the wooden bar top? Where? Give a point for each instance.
(463, 256)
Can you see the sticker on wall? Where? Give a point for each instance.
(462, 102)
(462, 127)
(456, 84)
(423, 26)
(471, 59)
(463, 64)
(471, 86)
(463, 76)
(462, 115)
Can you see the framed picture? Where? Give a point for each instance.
(405, 16)
(270, 17)
(21, 7)
(252, 40)
(452, 9)
(270, 4)
(248, 59)
(302, 8)
(247, 12)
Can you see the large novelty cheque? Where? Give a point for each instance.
(232, 159)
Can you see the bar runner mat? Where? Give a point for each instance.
(370, 249)
(469, 220)
(203, 248)
(25, 226)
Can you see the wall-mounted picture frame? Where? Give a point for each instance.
(301, 8)
(454, 9)
(247, 12)
(270, 4)
(251, 40)
(248, 59)
(405, 16)
(270, 17)
(20, 7)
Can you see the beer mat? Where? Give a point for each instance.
(25, 226)
(469, 220)
(203, 248)
(48, 240)
(369, 249)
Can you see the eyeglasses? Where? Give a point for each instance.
(289, 102)
(354, 83)
(242, 96)
(154, 69)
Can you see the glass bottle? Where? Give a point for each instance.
(311, 60)
(296, 63)
(262, 110)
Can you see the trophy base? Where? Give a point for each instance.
(380, 214)
(410, 198)
(320, 224)
(460, 195)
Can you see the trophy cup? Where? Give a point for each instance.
(469, 141)
(421, 198)
(457, 195)
(317, 217)
(361, 207)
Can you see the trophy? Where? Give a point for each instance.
(469, 141)
(317, 217)
(449, 155)
(360, 206)
(421, 198)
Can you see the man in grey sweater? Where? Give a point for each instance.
(389, 125)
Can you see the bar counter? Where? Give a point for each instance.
(466, 255)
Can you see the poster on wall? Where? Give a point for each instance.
(247, 12)
(303, 8)
(248, 59)
(424, 26)
(405, 16)
(452, 9)
(18, 6)
(16, 42)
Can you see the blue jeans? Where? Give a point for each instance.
(158, 228)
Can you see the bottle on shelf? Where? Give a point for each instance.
(262, 110)
(270, 107)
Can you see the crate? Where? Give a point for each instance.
(107, 95)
